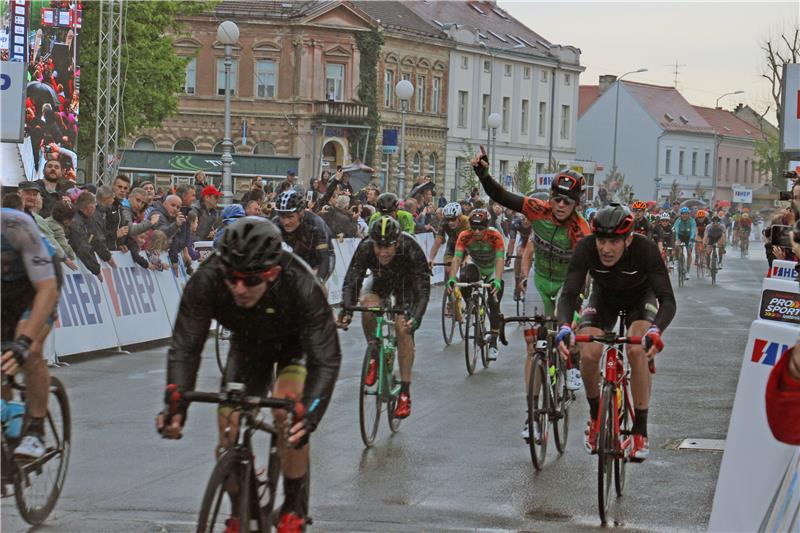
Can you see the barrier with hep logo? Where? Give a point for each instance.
(758, 488)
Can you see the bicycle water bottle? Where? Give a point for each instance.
(12, 416)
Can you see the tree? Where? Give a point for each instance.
(152, 73)
(522, 176)
(369, 46)
(770, 159)
(466, 175)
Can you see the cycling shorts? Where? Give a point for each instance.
(385, 287)
(602, 311)
(548, 290)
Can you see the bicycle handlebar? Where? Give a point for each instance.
(536, 319)
(608, 339)
(479, 284)
(247, 402)
(447, 264)
(377, 310)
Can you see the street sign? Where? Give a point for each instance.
(742, 196)
(790, 134)
(390, 149)
(543, 181)
(12, 100)
(508, 180)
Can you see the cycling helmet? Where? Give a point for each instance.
(388, 203)
(665, 216)
(701, 214)
(289, 201)
(568, 183)
(452, 210)
(614, 220)
(385, 231)
(745, 216)
(232, 212)
(715, 219)
(479, 219)
(590, 213)
(638, 205)
(684, 210)
(251, 244)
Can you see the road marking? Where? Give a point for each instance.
(720, 311)
(703, 445)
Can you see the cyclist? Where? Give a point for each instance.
(454, 223)
(641, 224)
(742, 228)
(715, 236)
(30, 288)
(400, 269)
(664, 235)
(701, 220)
(685, 231)
(305, 232)
(518, 237)
(277, 313)
(389, 205)
(629, 276)
(485, 247)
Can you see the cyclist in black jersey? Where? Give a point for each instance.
(305, 232)
(715, 236)
(277, 313)
(664, 236)
(30, 290)
(641, 224)
(629, 276)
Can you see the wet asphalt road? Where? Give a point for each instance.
(457, 464)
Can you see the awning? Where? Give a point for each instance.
(166, 162)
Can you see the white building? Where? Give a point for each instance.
(661, 139)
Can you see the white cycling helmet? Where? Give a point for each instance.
(452, 210)
(664, 216)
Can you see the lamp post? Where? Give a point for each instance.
(404, 90)
(494, 120)
(616, 117)
(726, 94)
(228, 35)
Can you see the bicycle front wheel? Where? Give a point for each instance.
(448, 322)
(562, 397)
(713, 268)
(219, 345)
(221, 501)
(38, 484)
(625, 425)
(606, 450)
(539, 403)
(472, 343)
(369, 403)
(681, 269)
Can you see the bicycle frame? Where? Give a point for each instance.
(387, 345)
(617, 374)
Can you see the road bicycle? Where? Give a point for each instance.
(477, 332)
(615, 416)
(744, 243)
(548, 399)
(36, 484)
(699, 259)
(452, 312)
(237, 490)
(519, 295)
(681, 260)
(386, 389)
(221, 336)
(713, 264)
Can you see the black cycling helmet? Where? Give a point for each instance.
(385, 230)
(568, 183)
(479, 219)
(251, 244)
(614, 220)
(387, 203)
(289, 201)
(715, 219)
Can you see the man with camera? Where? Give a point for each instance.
(778, 245)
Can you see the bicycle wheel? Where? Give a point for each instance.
(561, 402)
(483, 334)
(249, 508)
(394, 392)
(369, 404)
(700, 266)
(269, 490)
(713, 267)
(221, 501)
(625, 425)
(471, 339)
(219, 337)
(605, 452)
(448, 322)
(38, 484)
(681, 269)
(538, 407)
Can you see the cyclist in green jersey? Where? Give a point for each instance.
(389, 205)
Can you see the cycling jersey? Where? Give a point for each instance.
(642, 227)
(665, 234)
(714, 233)
(685, 230)
(292, 313)
(311, 240)
(520, 232)
(701, 224)
(405, 219)
(484, 250)
(451, 234)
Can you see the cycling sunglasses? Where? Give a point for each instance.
(566, 200)
(249, 279)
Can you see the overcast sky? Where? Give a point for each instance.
(717, 44)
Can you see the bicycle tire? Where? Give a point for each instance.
(681, 269)
(538, 411)
(448, 329)
(57, 442)
(605, 452)
(561, 402)
(484, 344)
(391, 405)
(713, 267)
(471, 338)
(217, 343)
(226, 474)
(273, 478)
(365, 418)
(625, 425)
(249, 508)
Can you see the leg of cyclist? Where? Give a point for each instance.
(494, 316)
(405, 353)
(369, 323)
(37, 383)
(640, 318)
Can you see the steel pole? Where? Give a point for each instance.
(227, 145)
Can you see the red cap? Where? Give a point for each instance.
(210, 190)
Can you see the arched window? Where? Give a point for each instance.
(432, 166)
(184, 145)
(417, 164)
(218, 148)
(264, 148)
(144, 143)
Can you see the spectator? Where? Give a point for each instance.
(117, 225)
(158, 245)
(104, 198)
(83, 236)
(372, 193)
(199, 183)
(58, 222)
(339, 219)
(412, 207)
(208, 216)
(51, 186)
(170, 221)
(253, 208)
(192, 221)
(12, 201)
(32, 204)
(442, 200)
(138, 205)
(423, 192)
(256, 190)
(291, 177)
(150, 191)
(179, 247)
(474, 196)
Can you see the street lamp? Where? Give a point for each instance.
(404, 90)
(726, 94)
(227, 34)
(494, 120)
(616, 117)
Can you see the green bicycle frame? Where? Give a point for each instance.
(388, 346)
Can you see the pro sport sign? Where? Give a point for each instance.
(790, 135)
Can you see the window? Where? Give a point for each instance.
(727, 167)
(144, 143)
(718, 170)
(544, 76)
(694, 163)
(463, 96)
(567, 78)
(464, 62)
(507, 70)
(503, 168)
(565, 122)
(461, 168)
(487, 65)
(334, 82)
(388, 88)
(432, 166)
(753, 172)
(184, 145)
(437, 95)
(737, 169)
(417, 163)
(745, 170)
(265, 78)
(221, 76)
(668, 161)
(485, 111)
(217, 149)
(706, 164)
(539, 168)
(524, 118)
(264, 148)
(526, 73)
(420, 94)
(542, 115)
(190, 83)
(506, 111)
(680, 162)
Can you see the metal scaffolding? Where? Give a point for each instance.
(105, 159)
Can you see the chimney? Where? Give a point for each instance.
(606, 81)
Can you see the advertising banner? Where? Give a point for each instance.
(742, 196)
(790, 133)
(543, 181)
(12, 101)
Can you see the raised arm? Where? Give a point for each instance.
(514, 201)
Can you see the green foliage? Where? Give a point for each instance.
(152, 73)
(465, 175)
(771, 160)
(369, 47)
(523, 182)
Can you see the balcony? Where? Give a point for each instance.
(340, 112)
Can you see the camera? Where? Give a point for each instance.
(785, 196)
(779, 235)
